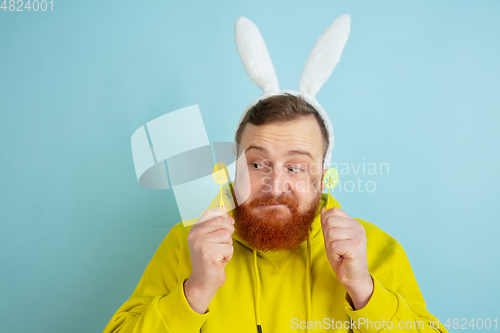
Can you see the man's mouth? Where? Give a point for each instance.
(273, 205)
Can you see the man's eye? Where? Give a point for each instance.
(292, 169)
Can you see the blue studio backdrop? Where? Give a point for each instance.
(414, 103)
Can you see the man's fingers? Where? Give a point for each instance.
(208, 228)
(332, 214)
(213, 213)
(338, 222)
(342, 249)
(339, 212)
(222, 236)
(226, 253)
(335, 234)
(210, 217)
(226, 214)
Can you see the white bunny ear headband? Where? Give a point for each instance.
(322, 59)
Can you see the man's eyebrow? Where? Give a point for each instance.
(264, 150)
(299, 152)
(290, 153)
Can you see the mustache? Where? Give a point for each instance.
(268, 200)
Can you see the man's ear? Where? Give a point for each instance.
(322, 183)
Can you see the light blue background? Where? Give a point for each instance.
(417, 87)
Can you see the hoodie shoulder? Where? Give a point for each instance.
(378, 241)
(182, 229)
(175, 238)
(373, 231)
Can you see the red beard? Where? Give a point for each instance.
(275, 228)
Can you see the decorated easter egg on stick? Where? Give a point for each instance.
(220, 175)
(331, 179)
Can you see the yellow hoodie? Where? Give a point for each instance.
(282, 291)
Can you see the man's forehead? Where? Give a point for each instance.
(293, 151)
(286, 138)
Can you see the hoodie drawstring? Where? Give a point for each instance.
(256, 289)
(308, 288)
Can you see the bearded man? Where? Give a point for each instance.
(280, 261)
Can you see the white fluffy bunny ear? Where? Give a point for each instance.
(325, 55)
(254, 55)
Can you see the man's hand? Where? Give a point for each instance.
(345, 244)
(210, 246)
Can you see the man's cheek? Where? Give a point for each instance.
(266, 186)
(301, 186)
(314, 186)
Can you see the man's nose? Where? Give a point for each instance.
(278, 182)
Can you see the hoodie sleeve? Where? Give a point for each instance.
(158, 303)
(396, 302)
